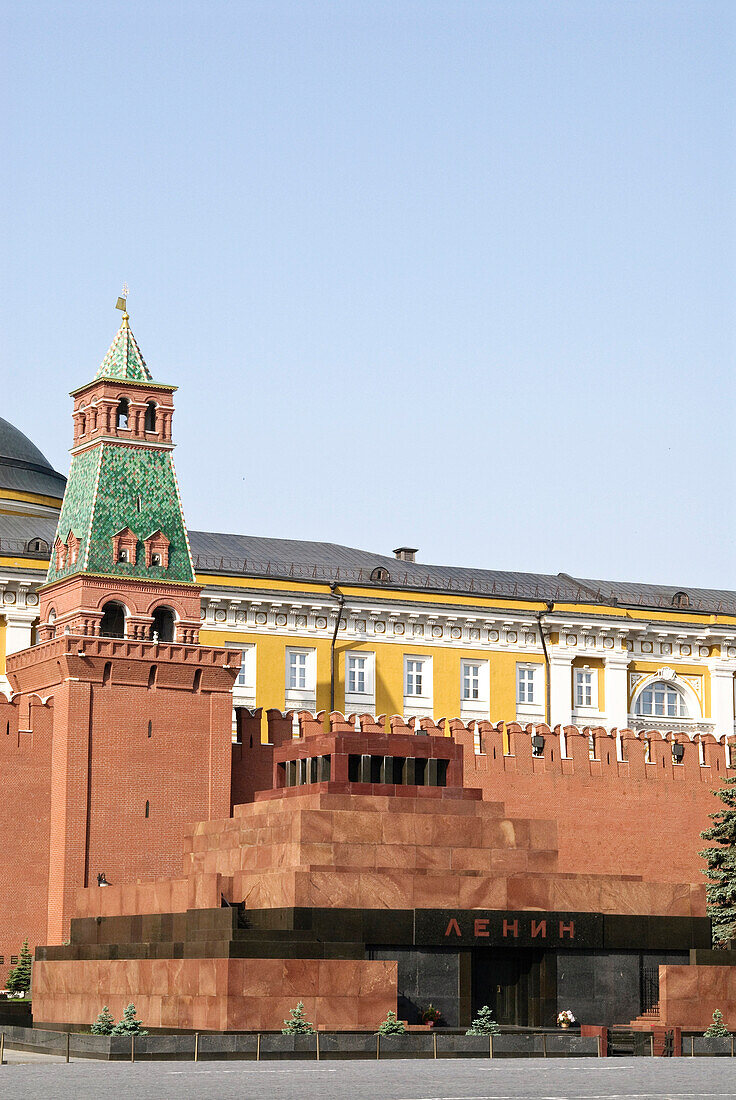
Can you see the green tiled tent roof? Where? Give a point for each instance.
(111, 487)
(124, 359)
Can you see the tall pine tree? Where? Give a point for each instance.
(721, 860)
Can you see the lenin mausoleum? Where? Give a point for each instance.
(239, 772)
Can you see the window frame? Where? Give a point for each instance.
(480, 706)
(364, 700)
(418, 704)
(304, 697)
(663, 687)
(578, 683)
(526, 675)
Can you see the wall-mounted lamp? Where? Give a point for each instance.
(101, 880)
(537, 744)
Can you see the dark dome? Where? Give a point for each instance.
(22, 466)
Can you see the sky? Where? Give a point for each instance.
(446, 274)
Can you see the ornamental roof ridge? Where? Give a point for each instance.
(124, 359)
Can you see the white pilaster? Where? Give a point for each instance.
(560, 688)
(721, 697)
(18, 626)
(617, 690)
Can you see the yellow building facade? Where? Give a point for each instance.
(325, 626)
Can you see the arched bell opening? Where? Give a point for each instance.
(164, 624)
(112, 624)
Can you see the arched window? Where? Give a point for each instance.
(661, 700)
(122, 415)
(150, 422)
(38, 546)
(113, 620)
(52, 622)
(163, 624)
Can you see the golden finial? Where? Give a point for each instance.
(122, 302)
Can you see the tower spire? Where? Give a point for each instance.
(124, 359)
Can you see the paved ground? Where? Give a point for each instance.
(405, 1079)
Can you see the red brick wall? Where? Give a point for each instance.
(628, 818)
(25, 774)
(101, 767)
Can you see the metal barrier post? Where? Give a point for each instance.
(434, 1043)
(132, 1047)
(196, 1046)
(68, 1036)
(692, 1046)
(318, 1046)
(378, 1044)
(651, 1044)
(490, 1046)
(600, 1046)
(544, 1044)
(258, 1047)
(2, 1048)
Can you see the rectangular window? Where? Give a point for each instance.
(414, 676)
(474, 689)
(359, 682)
(246, 673)
(418, 701)
(470, 680)
(297, 665)
(357, 674)
(300, 679)
(525, 684)
(586, 683)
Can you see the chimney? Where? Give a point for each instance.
(405, 553)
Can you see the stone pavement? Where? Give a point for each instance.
(404, 1079)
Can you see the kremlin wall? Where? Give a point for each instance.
(171, 840)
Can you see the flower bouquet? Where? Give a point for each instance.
(565, 1018)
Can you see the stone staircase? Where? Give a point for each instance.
(648, 1020)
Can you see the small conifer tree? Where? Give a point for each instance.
(484, 1024)
(19, 979)
(717, 1028)
(391, 1026)
(129, 1025)
(104, 1023)
(297, 1025)
(721, 860)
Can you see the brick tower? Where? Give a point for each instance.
(141, 712)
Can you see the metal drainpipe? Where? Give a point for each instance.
(337, 595)
(547, 684)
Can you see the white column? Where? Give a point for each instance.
(721, 697)
(560, 688)
(617, 690)
(18, 625)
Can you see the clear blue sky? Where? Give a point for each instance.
(453, 275)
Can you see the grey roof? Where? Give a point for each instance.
(23, 467)
(293, 559)
(18, 532)
(329, 561)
